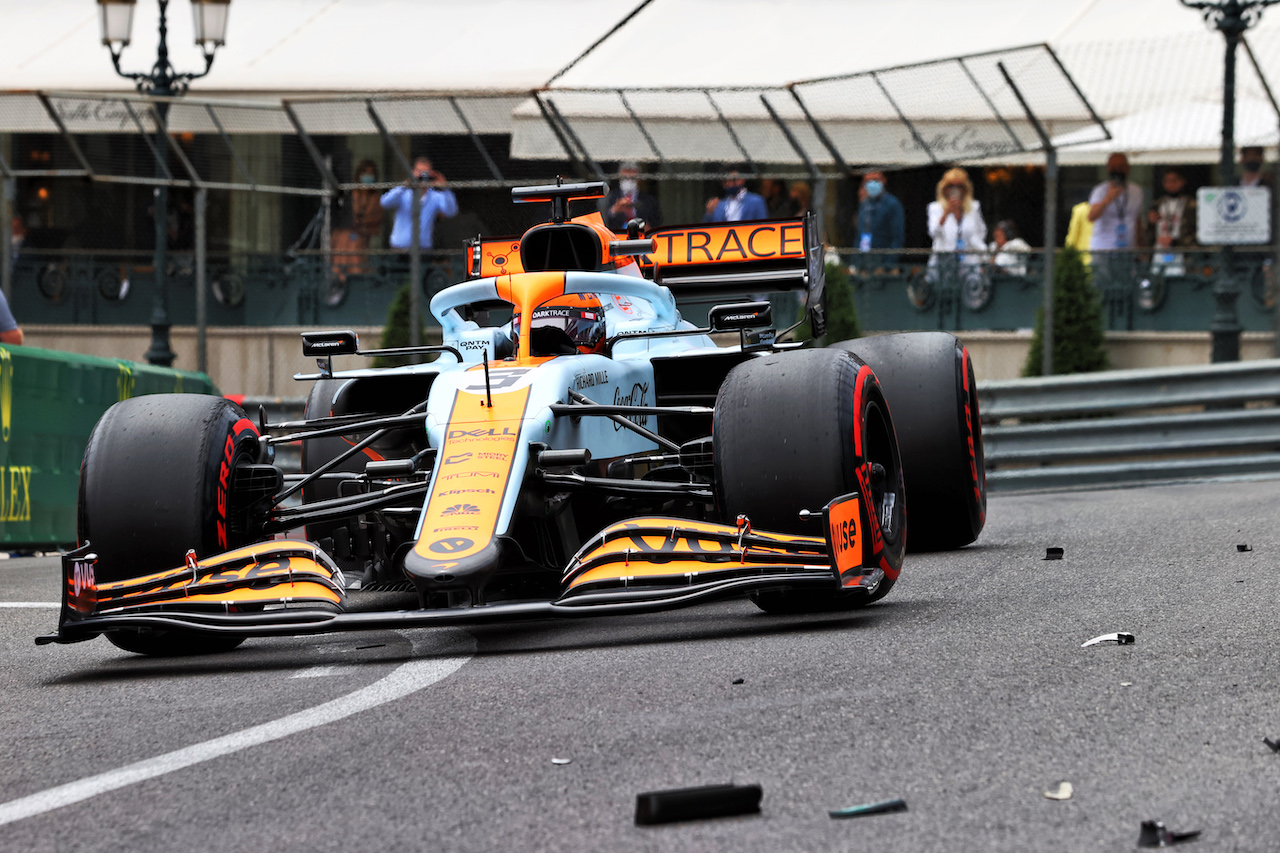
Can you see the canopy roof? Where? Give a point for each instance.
(1153, 60)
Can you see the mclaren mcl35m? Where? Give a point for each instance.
(573, 447)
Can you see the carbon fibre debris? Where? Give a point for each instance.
(1120, 638)
(707, 801)
(1156, 834)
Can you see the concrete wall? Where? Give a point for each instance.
(260, 362)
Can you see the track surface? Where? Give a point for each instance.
(965, 692)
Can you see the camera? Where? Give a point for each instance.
(423, 176)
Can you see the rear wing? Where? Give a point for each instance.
(708, 262)
(717, 260)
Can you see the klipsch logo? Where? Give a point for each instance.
(6, 391)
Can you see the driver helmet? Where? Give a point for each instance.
(570, 323)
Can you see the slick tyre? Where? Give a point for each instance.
(795, 430)
(157, 480)
(929, 383)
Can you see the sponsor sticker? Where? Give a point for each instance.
(846, 538)
(451, 544)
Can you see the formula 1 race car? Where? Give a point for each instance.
(576, 448)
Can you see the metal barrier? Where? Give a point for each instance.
(49, 403)
(915, 289)
(1128, 426)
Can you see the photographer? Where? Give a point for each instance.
(436, 199)
(1115, 209)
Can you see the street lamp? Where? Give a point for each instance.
(162, 81)
(1231, 18)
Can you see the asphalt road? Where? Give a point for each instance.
(966, 692)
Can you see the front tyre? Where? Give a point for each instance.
(157, 480)
(928, 379)
(795, 430)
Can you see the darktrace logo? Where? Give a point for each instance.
(461, 509)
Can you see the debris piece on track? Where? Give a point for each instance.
(1053, 553)
(1243, 547)
(1155, 834)
(882, 807)
(561, 761)
(1120, 638)
(1062, 792)
(697, 803)
(1274, 744)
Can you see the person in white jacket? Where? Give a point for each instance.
(955, 219)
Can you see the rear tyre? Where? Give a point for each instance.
(928, 380)
(795, 430)
(156, 480)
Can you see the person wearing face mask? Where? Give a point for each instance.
(881, 222)
(625, 201)
(1173, 215)
(959, 240)
(1114, 207)
(738, 203)
(350, 242)
(1251, 175)
(955, 219)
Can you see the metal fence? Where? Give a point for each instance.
(261, 195)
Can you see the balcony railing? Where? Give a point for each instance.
(892, 290)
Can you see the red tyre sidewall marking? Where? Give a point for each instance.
(978, 478)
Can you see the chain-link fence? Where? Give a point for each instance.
(269, 218)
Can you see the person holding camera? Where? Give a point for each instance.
(1115, 208)
(435, 200)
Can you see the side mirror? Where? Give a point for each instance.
(343, 342)
(741, 315)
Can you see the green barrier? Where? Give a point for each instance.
(49, 403)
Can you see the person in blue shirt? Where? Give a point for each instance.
(436, 200)
(880, 221)
(738, 202)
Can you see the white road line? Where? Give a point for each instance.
(30, 605)
(404, 680)
(325, 671)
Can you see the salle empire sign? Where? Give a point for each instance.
(106, 114)
(957, 143)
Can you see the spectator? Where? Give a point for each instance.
(366, 212)
(1251, 168)
(1080, 231)
(625, 201)
(776, 199)
(1173, 219)
(880, 219)
(738, 203)
(436, 200)
(10, 333)
(350, 244)
(801, 196)
(955, 219)
(1114, 205)
(1113, 208)
(1258, 257)
(1010, 249)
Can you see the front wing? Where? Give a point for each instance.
(288, 587)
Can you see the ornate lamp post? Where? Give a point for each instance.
(162, 81)
(1231, 18)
